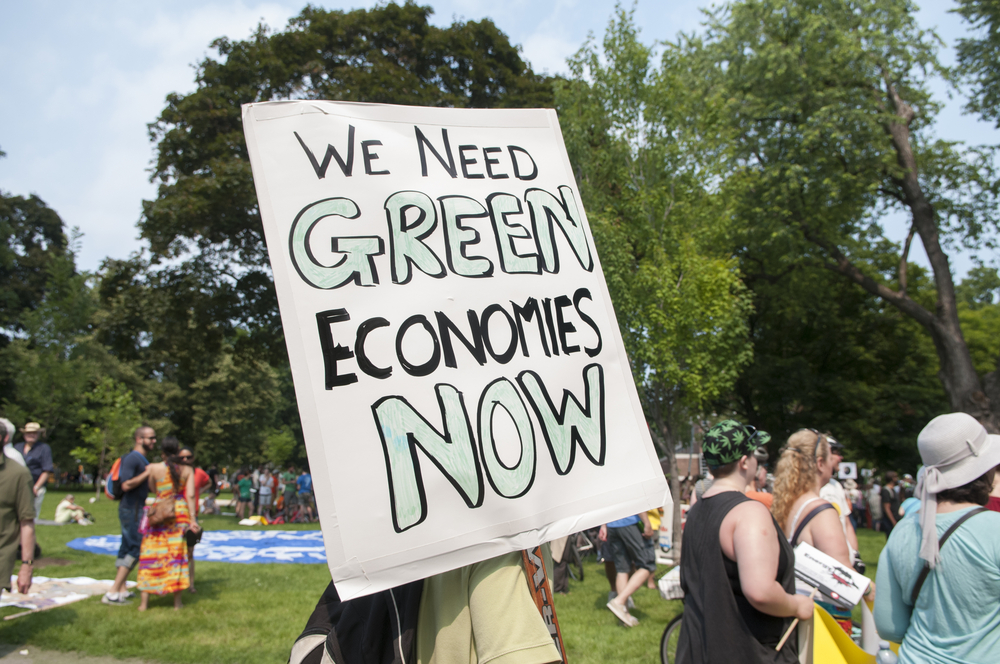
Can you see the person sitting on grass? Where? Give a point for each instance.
(67, 512)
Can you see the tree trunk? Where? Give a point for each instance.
(669, 444)
(958, 374)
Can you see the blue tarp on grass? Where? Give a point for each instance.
(234, 546)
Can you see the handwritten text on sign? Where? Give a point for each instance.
(437, 273)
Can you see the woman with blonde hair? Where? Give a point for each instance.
(804, 466)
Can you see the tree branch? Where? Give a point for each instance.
(843, 265)
(902, 260)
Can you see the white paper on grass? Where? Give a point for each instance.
(389, 514)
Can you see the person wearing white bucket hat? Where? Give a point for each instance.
(943, 604)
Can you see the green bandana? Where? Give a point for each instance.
(730, 441)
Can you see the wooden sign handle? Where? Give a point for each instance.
(795, 622)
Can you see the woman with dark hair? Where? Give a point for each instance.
(163, 562)
(939, 574)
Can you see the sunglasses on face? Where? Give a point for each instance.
(185, 458)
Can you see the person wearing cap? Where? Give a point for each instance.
(832, 491)
(953, 614)
(38, 457)
(737, 571)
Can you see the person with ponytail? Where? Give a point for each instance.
(163, 562)
(804, 466)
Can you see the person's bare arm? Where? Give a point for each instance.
(827, 535)
(602, 534)
(132, 483)
(27, 551)
(647, 528)
(40, 484)
(756, 552)
(192, 501)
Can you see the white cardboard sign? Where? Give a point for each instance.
(847, 470)
(459, 372)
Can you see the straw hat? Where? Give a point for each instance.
(31, 427)
(955, 449)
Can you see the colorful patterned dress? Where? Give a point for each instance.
(163, 563)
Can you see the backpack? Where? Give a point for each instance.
(112, 484)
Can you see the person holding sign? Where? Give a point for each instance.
(939, 574)
(483, 612)
(805, 466)
(737, 572)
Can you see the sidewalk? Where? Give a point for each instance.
(12, 655)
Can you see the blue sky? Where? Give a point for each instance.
(81, 81)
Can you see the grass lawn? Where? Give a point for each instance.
(252, 613)
(241, 613)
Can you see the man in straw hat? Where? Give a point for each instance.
(939, 574)
(38, 457)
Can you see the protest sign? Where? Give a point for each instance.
(459, 372)
(847, 470)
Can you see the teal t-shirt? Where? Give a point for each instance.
(245, 485)
(956, 618)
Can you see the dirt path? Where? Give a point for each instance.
(34, 655)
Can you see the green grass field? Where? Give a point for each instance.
(252, 613)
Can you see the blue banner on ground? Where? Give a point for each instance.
(234, 546)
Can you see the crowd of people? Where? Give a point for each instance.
(738, 569)
(278, 497)
(741, 593)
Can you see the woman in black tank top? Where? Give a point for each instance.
(728, 616)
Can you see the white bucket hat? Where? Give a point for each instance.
(955, 449)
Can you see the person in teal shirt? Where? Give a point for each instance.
(956, 615)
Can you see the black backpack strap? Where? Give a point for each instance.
(944, 538)
(809, 517)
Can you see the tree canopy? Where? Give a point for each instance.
(817, 120)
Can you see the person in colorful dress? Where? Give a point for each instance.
(163, 561)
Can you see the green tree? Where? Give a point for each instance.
(389, 54)
(660, 232)
(196, 317)
(110, 416)
(979, 56)
(830, 356)
(279, 446)
(53, 362)
(818, 121)
(234, 411)
(31, 238)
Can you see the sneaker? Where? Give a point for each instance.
(116, 600)
(128, 594)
